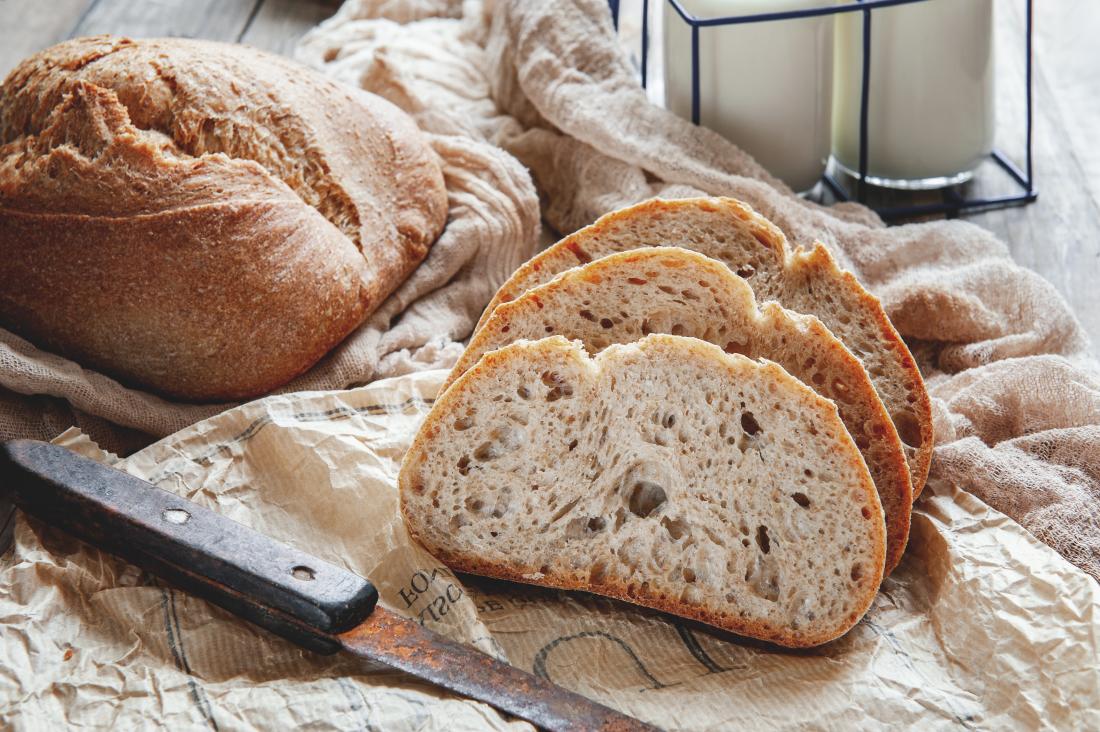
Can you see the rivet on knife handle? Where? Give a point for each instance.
(270, 584)
(313, 603)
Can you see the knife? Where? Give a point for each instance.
(312, 603)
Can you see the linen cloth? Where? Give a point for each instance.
(1015, 389)
(981, 625)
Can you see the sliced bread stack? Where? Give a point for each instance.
(757, 251)
(745, 469)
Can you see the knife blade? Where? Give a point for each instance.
(313, 603)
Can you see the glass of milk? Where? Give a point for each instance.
(930, 116)
(766, 87)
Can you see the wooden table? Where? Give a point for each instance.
(1059, 236)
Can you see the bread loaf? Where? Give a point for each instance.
(623, 297)
(754, 249)
(200, 219)
(663, 472)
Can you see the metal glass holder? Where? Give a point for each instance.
(954, 203)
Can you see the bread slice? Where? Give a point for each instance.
(753, 248)
(623, 297)
(663, 472)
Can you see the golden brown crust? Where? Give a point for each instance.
(644, 596)
(891, 472)
(640, 594)
(155, 296)
(848, 384)
(570, 251)
(257, 211)
(915, 427)
(775, 269)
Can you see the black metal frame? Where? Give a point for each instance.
(954, 203)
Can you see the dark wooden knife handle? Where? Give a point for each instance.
(251, 575)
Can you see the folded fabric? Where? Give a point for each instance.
(1015, 389)
(548, 82)
(492, 227)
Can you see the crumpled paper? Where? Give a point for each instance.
(1015, 389)
(981, 626)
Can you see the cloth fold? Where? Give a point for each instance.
(529, 104)
(549, 83)
(506, 85)
(980, 626)
(492, 227)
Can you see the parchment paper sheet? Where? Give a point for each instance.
(1015, 387)
(981, 627)
(535, 109)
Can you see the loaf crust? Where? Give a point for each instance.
(200, 219)
(527, 503)
(622, 297)
(755, 249)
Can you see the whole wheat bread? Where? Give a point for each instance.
(663, 472)
(623, 297)
(201, 219)
(755, 249)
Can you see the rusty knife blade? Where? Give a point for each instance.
(313, 603)
(405, 645)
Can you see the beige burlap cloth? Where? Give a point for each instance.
(982, 626)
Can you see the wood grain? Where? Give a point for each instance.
(1059, 235)
(279, 24)
(30, 25)
(219, 20)
(1071, 65)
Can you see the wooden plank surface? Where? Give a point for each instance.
(220, 20)
(279, 24)
(1070, 61)
(30, 25)
(1059, 236)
